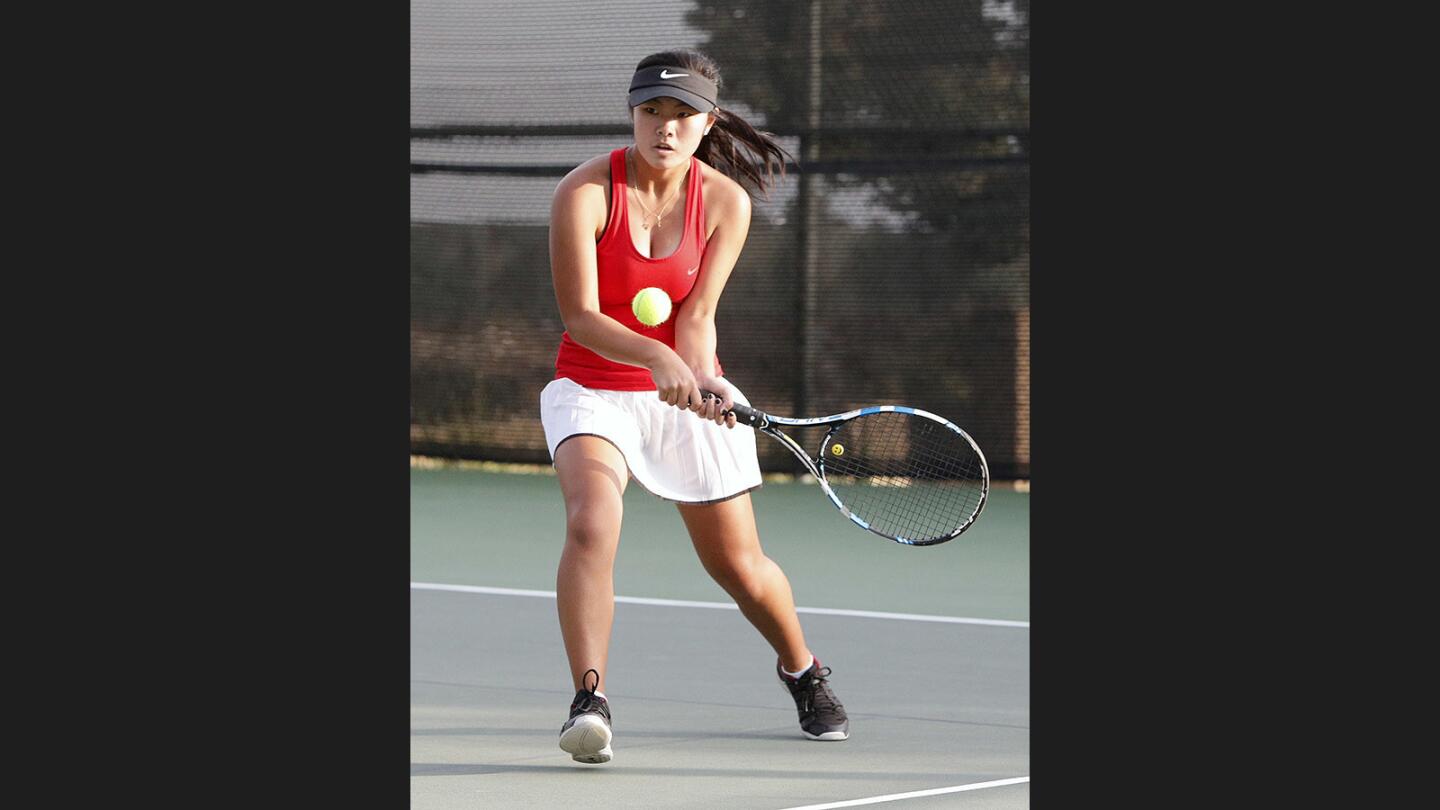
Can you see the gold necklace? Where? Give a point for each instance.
(630, 162)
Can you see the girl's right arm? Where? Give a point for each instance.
(577, 217)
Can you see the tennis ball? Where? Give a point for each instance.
(651, 306)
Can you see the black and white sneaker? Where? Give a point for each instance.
(586, 735)
(821, 715)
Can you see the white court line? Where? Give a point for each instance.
(895, 797)
(641, 600)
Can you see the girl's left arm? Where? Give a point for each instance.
(695, 319)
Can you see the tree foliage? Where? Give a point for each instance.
(946, 82)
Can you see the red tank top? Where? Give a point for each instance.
(623, 271)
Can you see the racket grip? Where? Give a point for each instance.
(743, 413)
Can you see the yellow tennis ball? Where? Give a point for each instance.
(651, 306)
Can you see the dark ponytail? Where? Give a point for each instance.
(733, 147)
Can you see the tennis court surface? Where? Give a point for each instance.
(929, 649)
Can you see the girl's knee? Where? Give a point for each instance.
(741, 577)
(592, 529)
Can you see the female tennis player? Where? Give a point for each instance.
(667, 211)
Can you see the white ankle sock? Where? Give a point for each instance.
(797, 675)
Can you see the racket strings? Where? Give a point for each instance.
(920, 512)
(905, 475)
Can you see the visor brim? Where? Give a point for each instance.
(643, 94)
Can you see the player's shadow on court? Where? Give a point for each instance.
(781, 733)
(480, 769)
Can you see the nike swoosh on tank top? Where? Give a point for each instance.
(622, 271)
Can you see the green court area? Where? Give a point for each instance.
(500, 529)
(700, 719)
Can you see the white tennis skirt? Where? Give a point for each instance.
(672, 452)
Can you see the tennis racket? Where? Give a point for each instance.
(900, 472)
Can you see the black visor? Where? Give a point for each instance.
(686, 85)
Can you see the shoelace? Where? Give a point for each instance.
(587, 701)
(817, 696)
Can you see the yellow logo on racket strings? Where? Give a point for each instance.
(837, 449)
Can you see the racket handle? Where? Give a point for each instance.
(743, 413)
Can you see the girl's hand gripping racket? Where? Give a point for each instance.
(900, 472)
